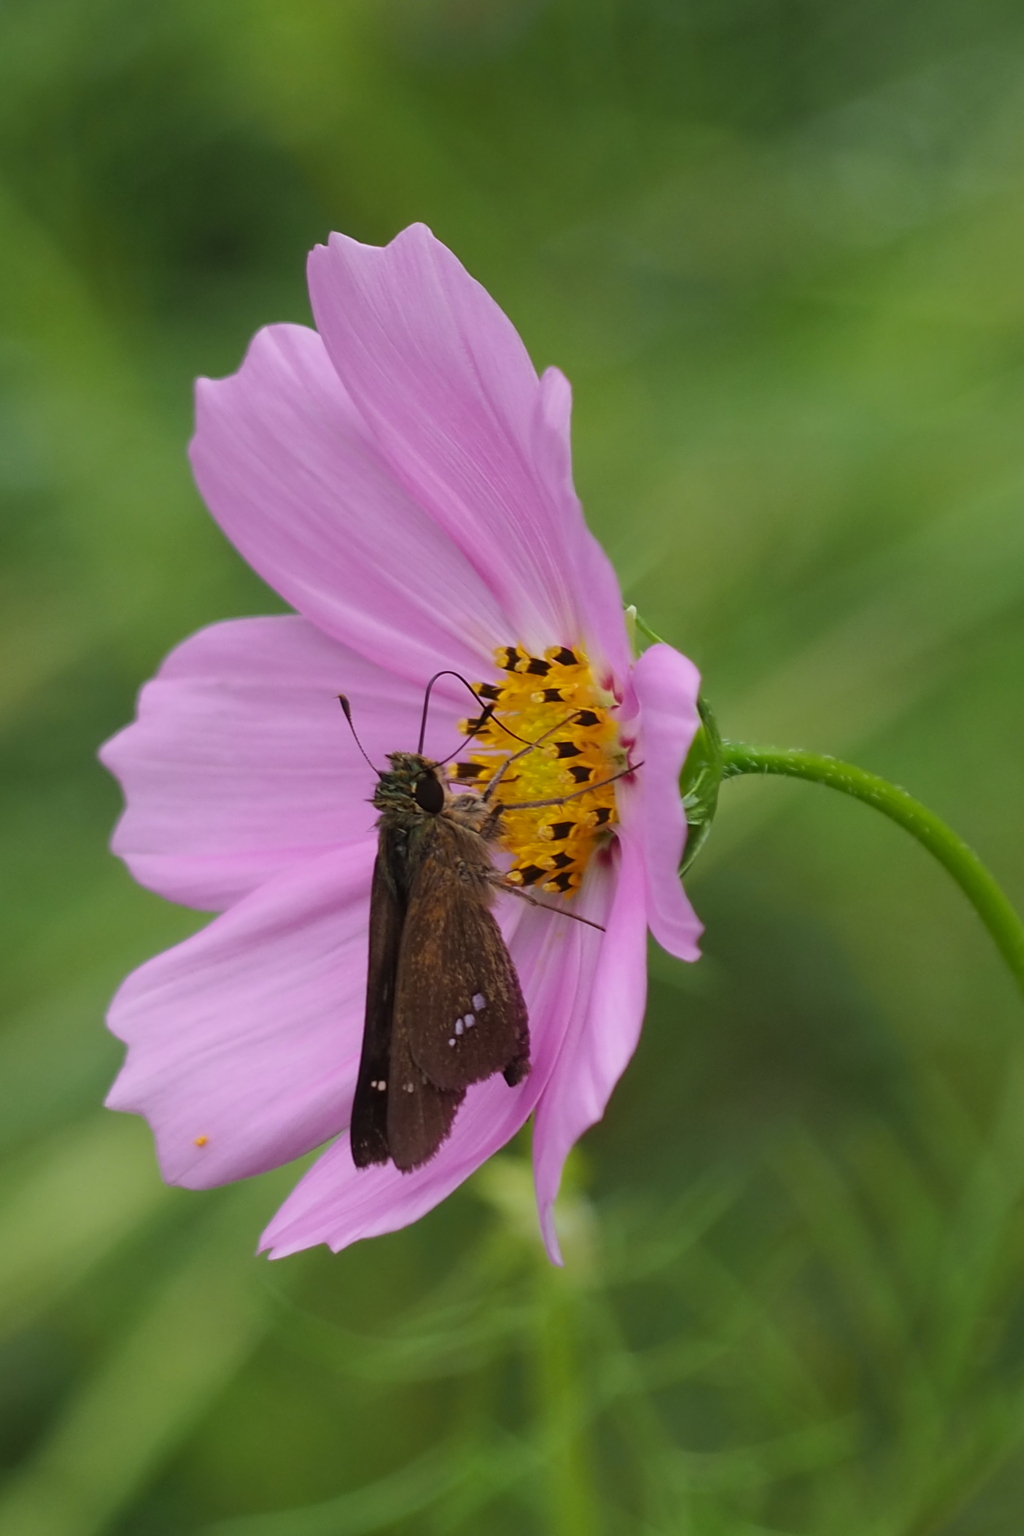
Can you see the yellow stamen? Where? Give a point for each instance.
(555, 697)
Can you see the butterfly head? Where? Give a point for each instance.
(413, 784)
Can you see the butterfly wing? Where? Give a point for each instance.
(369, 1130)
(459, 1008)
(420, 1115)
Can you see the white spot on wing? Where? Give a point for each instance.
(479, 1001)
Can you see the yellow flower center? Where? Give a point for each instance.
(552, 700)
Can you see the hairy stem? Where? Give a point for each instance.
(970, 874)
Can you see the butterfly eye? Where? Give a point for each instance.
(429, 794)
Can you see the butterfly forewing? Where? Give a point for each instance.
(458, 1003)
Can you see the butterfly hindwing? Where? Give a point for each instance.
(420, 1115)
(458, 1002)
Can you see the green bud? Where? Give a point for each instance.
(699, 781)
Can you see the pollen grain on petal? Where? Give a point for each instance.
(201, 1141)
(552, 700)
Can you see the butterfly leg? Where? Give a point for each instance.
(534, 805)
(501, 884)
(530, 746)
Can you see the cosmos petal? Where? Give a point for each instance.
(288, 468)
(337, 1204)
(243, 1041)
(475, 438)
(601, 1039)
(597, 595)
(666, 684)
(240, 762)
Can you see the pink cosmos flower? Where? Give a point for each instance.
(402, 477)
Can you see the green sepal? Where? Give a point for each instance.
(699, 781)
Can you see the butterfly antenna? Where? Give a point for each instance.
(347, 709)
(488, 711)
(485, 719)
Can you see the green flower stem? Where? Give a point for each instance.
(962, 862)
(565, 1408)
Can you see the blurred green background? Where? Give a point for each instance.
(778, 246)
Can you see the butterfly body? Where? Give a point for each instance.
(444, 1008)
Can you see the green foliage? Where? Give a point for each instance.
(700, 781)
(778, 249)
